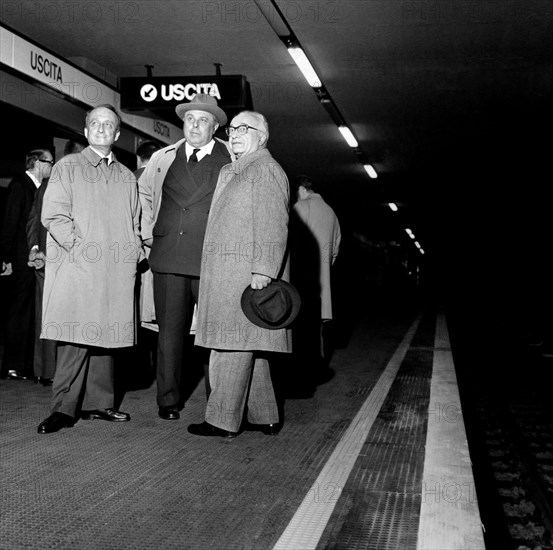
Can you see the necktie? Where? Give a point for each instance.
(193, 156)
(105, 161)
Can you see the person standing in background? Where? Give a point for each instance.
(17, 363)
(315, 243)
(143, 357)
(72, 146)
(44, 362)
(147, 316)
(144, 153)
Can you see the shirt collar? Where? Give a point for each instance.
(109, 157)
(33, 177)
(203, 151)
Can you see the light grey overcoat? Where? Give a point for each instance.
(92, 215)
(247, 233)
(320, 219)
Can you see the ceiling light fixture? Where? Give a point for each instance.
(393, 206)
(277, 20)
(298, 55)
(371, 171)
(348, 136)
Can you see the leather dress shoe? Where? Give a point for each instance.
(55, 422)
(206, 429)
(16, 375)
(169, 413)
(267, 429)
(111, 415)
(44, 381)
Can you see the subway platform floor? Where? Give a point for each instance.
(372, 457)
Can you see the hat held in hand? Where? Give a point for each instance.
(272, 307)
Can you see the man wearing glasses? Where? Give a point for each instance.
(176, 189)
(245, 245)
(18, 352)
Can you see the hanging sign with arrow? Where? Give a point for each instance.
(163, 94)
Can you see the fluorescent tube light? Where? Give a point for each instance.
(421, 250)
(305, 67)
(409, 232)
(393, 206)
(371, 171)
(348, 136)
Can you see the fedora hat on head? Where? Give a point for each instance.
(203, 102)
(272, 307)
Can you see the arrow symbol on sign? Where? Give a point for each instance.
(148, 92)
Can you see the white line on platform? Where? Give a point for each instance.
(449, 517)
(306, 527)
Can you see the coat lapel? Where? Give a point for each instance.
(237, 169)
(208, 185)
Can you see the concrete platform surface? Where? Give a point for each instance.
(347, 471)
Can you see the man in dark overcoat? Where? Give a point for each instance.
(18, 351)
(176, 189)
(44, 363)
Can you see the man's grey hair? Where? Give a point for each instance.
(261, 123)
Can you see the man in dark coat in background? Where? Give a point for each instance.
(144, 153)
(17, 363)
(44, 362)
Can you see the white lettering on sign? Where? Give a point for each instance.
(179, 92)
(45, 66)
(161, 129)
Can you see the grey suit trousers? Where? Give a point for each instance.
(82, 373)
(240, 379)
(44, 364)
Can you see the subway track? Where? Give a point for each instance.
(508, 406)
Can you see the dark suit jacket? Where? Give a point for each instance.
(180, 227)
(13, 240)
(36, 232)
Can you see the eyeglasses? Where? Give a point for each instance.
(240, 130)
(48, 161)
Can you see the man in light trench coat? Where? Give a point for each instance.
(316, 236)
(245, 244)
(91, 211)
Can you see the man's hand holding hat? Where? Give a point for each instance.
(260, 281)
